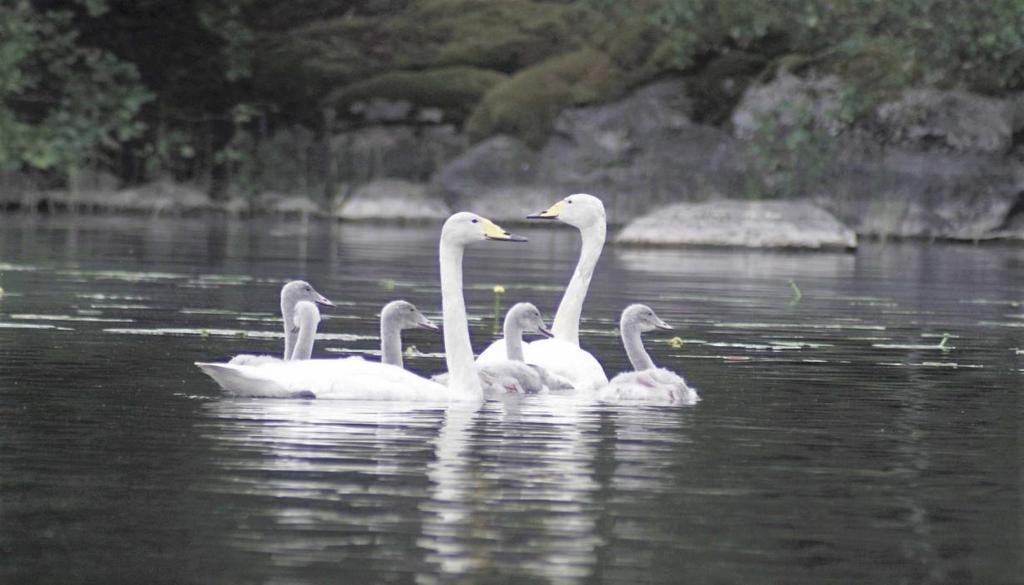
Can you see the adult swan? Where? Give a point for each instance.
(358, 379)
(562, 354)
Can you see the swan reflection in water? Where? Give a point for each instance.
(467, 489)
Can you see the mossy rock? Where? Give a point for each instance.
(456, 90)
(526, 104)
(506, 35)
(503, 36)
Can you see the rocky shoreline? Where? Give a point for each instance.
(931, 164)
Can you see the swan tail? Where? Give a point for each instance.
(238, 382)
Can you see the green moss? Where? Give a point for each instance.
(526, 105)
(502, 36)
(456, 90)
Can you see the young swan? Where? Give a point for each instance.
(394, 317)
(648, 384)
(300, 317)
(526, 318)
(517, 374)
(513, 375)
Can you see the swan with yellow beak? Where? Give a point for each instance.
(562, 355)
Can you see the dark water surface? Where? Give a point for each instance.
(836, 443)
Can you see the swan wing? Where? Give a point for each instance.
(568, 361)
(510, 377)
(654, 386)
(247, 359)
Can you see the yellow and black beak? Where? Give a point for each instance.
(549, 213)
(493, 231)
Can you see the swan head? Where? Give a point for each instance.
(465, 228)
(405, 315)
(578, 210)
(641, 317)
(526, 318)
(300, 290)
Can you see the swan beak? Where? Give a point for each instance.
(493, 231)
(549, 213)
(428, 324)
(545, 331)
(322, 300)
(663, 325)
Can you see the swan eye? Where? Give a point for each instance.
(476, 221)
(569, 201)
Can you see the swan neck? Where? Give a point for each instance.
(290, 333)
(390, 343)
(635, 350)
(307, 321)
(513, 341)
(462, 374)
(566, 325)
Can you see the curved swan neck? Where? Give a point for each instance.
(390, 342)
(566, 325)
(290, 331)
(634, 345)
(307, 318)
(458, 349)
(513, 340)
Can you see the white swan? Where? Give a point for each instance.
(562, 354)
(300, 319)
(648, 384)
(358, 379)
(394, 318)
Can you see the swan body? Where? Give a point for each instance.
(647, 384)
(352, 378)
(358, 379)
(562, 355)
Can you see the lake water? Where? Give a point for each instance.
(836, 442)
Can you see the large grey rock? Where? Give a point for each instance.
(408, 152)
(932, 163)
(891, 191)
(640, 152)
(490, 176)
(634, 153)
(750, 224)
(390, 200)
(954, 120)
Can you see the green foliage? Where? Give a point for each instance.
(225, 19)
(787, 161)
(62, 105)
(931, 41)
(526, 105)
(425, 34)
(453, 89)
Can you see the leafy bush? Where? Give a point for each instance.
(62, 105)
(934, 41)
